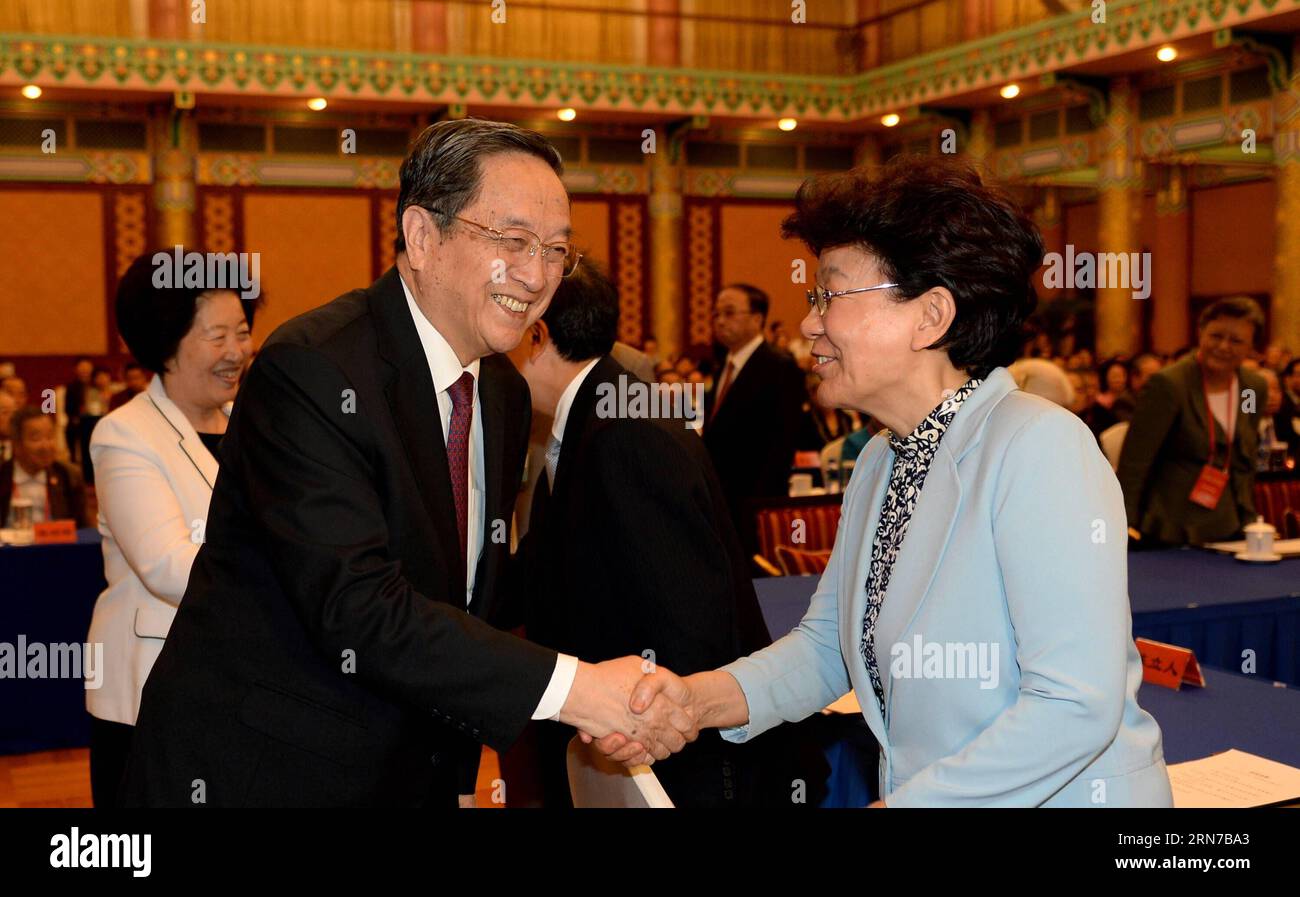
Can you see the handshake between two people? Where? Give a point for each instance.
(637, 712)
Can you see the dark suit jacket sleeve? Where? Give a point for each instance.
(1153, 417)
(513, 604)
(652, 518)
(788, 400)
(306, 471)
(468, 755)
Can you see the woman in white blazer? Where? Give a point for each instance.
(976, 598)
(156, 462)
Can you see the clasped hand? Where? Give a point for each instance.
(634, 712)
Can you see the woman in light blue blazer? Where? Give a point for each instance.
(976, 599)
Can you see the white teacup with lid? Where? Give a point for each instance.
(1259, 542)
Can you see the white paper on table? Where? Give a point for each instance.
(1284, 547)
(1233, 779)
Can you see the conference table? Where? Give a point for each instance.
(47, 594)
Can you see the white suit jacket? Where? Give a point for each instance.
(153, 478)
(1017, 548)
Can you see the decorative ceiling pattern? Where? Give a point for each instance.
(1035, 50)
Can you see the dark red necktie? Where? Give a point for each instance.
(462, 417)
(723, 387)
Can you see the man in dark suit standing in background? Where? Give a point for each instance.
(630, 547)
(330, 650)
(752, 417)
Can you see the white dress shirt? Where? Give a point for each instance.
(566, 401)
(1221, 408)
(446, 369)
(33, 488)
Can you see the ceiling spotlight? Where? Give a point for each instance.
(1166, 54)
(316, 104)
(890, 120)
(1011, 91)
(31, 91)
(787, 124)
(568, 113)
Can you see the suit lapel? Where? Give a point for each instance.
(745, 381)
(1196, 397)
(492, 410)
(492, 406)
(56, 491)
(414, 405)
(581, 415)
(187, 438)
(930, 526)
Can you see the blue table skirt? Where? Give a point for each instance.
(47, 595)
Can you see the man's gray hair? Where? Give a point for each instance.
(442, 169)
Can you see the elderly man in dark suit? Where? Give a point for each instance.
(754, 412)
(55, 489)
(630, 548)
(331, 649)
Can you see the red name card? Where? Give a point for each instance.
(1168, 665)
(807, 459)
(54, 532)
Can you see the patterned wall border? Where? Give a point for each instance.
(1036, 49)
(77, 167)
(259, 170)
(629, 250)
(702, 273)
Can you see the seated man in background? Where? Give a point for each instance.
(7, 408)
(630, 547)
(54, 488)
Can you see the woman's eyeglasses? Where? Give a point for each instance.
(516, 243)
(820, 298)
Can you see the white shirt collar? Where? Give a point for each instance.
(22, 477)
(443, 362)
(741, 355)
(566, 400)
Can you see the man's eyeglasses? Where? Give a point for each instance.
(820, 298)
(516, 243)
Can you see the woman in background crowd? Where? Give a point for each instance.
(1188, 463)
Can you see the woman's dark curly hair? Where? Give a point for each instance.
(933, 222)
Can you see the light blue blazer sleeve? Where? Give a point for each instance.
(803, 671)
(1059, 531)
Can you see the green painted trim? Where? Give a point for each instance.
(1025, 52)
